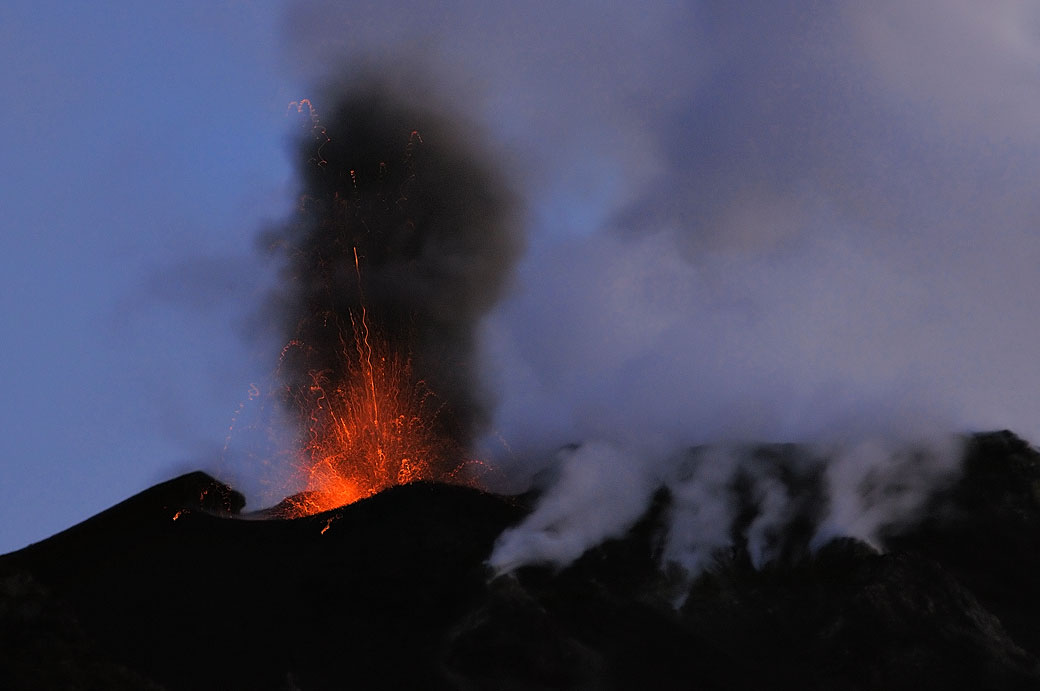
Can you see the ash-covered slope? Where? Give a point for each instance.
(393, 592)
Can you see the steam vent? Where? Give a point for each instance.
(177, 588)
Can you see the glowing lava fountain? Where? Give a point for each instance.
(400, 244)
(370, 428)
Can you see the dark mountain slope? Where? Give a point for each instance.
(392, 592)
(209, 601)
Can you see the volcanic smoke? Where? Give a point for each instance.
(777, 226)
(402, 240)
(404, 237)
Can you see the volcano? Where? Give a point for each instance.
(177, 588)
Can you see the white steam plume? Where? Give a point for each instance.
(601, 490)
(770, 499)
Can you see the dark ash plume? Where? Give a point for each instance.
(407, 193)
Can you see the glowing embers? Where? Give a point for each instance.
(370, 429)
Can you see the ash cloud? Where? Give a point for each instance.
(403, 222)
(753, 222)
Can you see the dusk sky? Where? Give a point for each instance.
(144, 144)
(757, 220)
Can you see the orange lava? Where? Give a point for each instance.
(370, 429)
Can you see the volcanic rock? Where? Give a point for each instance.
(176, 589)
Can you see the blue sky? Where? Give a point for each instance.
(143, 145)
(777, 220)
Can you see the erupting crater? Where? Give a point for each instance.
(370, 424)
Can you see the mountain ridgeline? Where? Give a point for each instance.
(176, 588)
